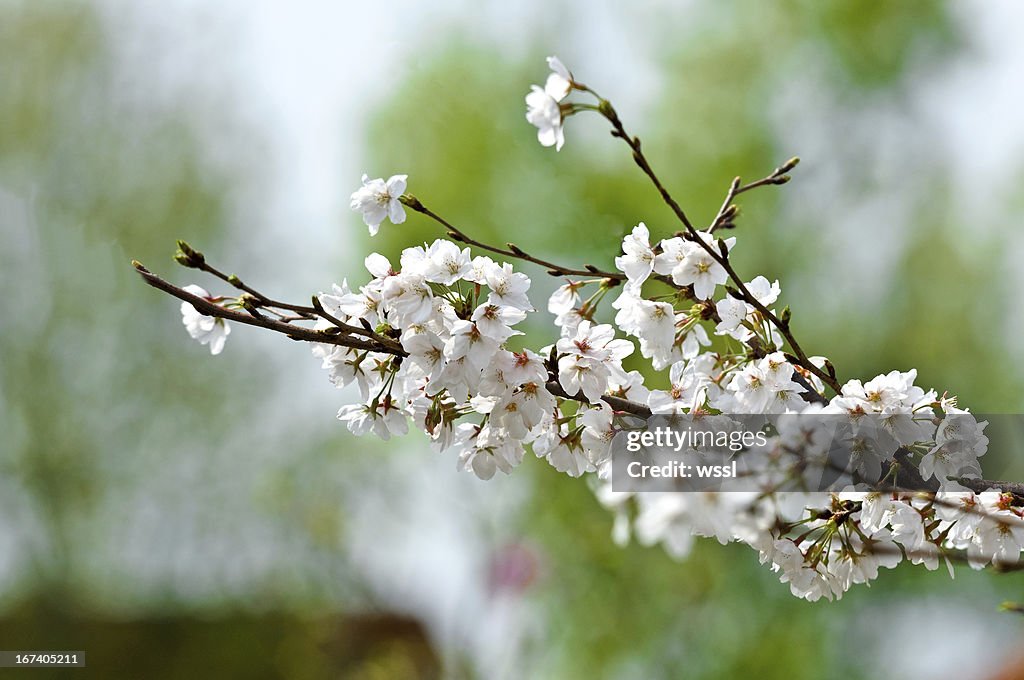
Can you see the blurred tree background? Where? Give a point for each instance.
(188, 513)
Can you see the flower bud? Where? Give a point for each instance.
(606, 109)
(250, 304)
(412, 202)
(187, 257)
(784, 317)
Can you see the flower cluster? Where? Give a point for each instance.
(822, 543)
(433, 342)
(458, 378)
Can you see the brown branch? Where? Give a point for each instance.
(512, 251)
(355, 330)
(189, 257)
(722, 258)
(204, 306)
(264, 301)
(959, 556)
(379, 344)
(617, 403)
(728, 210)
(638, 157)
(980, 485)
(254, 300)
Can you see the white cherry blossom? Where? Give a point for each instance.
(637, 262)
(508, 287)
(378, 200)
(559, 81)
(700, 270)
(206, 330)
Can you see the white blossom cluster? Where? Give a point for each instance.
(467, 381)
(822, 543)
(454, 314)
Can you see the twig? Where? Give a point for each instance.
(379, 344)
(980, 485)
(728, 210)
(293, 331)
(264, 301)
(354, 330)
(513, 250)
(722, 258)
(187, 256)
(940, 552)
(617, 403)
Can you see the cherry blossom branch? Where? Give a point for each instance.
(777, 177)
(614, 278)
(340, 337)
(513, 250)
(518, 253)
(459, 364)
(906, 467)
(254, 300)
(387, 342)
(723, 220)
(980, 485)
(617, 403)
(254, 318)
(191, 258)
(953, 555)
(721, 257)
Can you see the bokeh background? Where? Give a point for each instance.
(175, 514)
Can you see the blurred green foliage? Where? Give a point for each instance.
(126, 455)
(89, 180)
